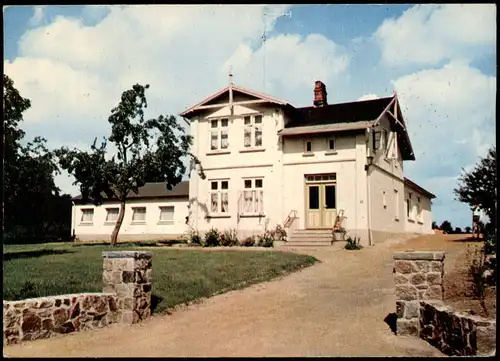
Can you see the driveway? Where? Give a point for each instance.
(334, 308)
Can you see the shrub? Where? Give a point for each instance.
(265, 240)
(212, 238)
(27, 291)
(248, 242)
(475, 260)
(229, 238)
(194, 238)
(353, 243)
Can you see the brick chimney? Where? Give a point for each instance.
(320, 94)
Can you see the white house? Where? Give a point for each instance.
(267, 162)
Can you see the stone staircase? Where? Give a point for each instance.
(310, 238)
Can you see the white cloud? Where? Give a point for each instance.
(289, 64)
(38, 14)
(370, 96)
(450, 117)
(74, 73)
(428, 34)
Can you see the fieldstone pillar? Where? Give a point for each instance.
(418, 276)
(128, 274)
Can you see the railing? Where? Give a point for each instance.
(251, 202)
(290, 218)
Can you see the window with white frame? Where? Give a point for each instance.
(87, 215)
(112, 214)
(167, 214)
(219, 134)
(376, 139)
(139, 214)
(219, 196)
(396, 204)
(253, 131)
(253, 196)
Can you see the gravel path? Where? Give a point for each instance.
(334, 308)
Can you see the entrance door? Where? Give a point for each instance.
(321, 205)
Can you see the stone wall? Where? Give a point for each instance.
(418, 276)
(126, 298)
(454, 333)
(43, 317)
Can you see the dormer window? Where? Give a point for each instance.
(219, 134)
(331, 144)
(308, 146)
(253, 131)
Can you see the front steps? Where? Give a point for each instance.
(311, 238)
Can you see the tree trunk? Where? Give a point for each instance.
(121, 215)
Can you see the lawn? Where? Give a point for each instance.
(179, 276)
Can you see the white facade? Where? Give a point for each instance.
(163, 219)
(256, 177)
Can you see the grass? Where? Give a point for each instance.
(179, 276)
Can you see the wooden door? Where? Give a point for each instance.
(313, 206)
(329, 209)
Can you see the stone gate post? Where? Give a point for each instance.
(128, 273)
(418, 276)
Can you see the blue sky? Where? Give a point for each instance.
(73, 62)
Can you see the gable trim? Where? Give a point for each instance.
(263, 98)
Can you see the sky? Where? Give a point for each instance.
(73, 63)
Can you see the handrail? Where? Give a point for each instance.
(288, 221)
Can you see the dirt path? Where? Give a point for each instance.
(335, 308)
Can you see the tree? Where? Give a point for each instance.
(147, 151)
(458, 230)
(33, 208)
(434, 225)
(468, 229)
(478, 188)
(446, 227)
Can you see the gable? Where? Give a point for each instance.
(224, 98)
(241, 96)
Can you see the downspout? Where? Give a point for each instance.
(73, 212)
(368, 195)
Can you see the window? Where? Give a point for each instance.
(139, 214)
(87, 215)
(253, 196)
(218, 133)
(419, 210)
(308, 146)
(219, 196)
(384, 141)
(376, 140)
(112, 214)
(396, 204)
(167, 214)
(408, 208)
(331, 144)
(253, 131)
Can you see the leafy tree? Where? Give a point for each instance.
(446, 227)
(147, 151)
(458, 230)
(434, 225)
(468, 229)
(34, 210)
(478, 188)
